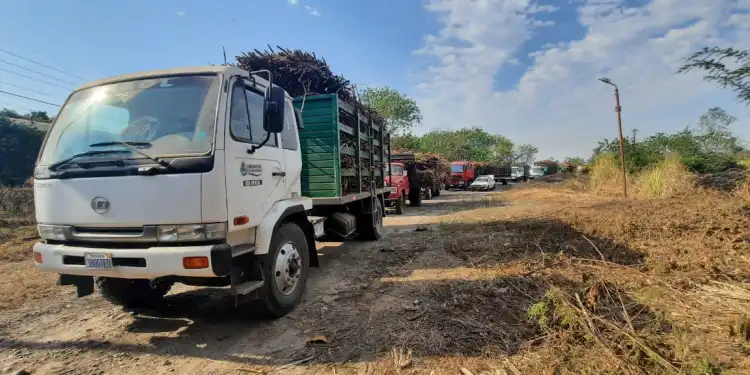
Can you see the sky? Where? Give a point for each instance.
(525, 69)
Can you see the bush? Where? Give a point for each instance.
(19, 146)
(668, 178)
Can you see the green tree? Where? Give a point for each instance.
(727, 67)
(38, 116)
(525, 154)
(7, 112)
(400, 112)
(575, 160)
(19, 146)
(406, 141)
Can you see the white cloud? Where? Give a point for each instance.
(558, 104)
(181, 13)
(312, 11)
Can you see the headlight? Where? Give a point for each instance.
(216, 231)
(191, 232)
(394, 190)
(51, 232)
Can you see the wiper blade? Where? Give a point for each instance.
(132, 146)
(118, 143)
(54, 166)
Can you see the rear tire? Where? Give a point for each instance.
(370, 225)
(400, 203)
(415, 197)
(285, 271)
(437, 192)
(131, 293)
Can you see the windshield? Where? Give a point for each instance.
(397, 170)
(482, 179)
(457, 168)
(161, 117)
(516, 169)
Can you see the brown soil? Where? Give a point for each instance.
(532, 281)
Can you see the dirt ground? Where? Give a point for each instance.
(465, 284)
(45, 329)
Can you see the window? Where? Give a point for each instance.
(457, 168)
(246, 117)
(171, 116)
(397, 170)
(289, 134)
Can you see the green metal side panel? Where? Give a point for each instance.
(319, 146)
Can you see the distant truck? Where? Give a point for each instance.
(520, 173)
(208, 176)
(463, 173)
(425, 179)
(400, 181)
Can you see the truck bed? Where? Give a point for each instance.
(344, 152)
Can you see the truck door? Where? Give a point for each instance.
(255, 180)
(292, 155)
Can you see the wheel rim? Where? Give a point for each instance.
(378, 219)
(288, 268)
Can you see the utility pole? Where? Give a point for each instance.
(618, 109)
(634, 131)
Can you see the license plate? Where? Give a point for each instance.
(98, 260)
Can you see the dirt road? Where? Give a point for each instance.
(354, 302)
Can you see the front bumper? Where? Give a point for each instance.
(148, 263)
(479, 188)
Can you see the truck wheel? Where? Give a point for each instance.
(285, 271)
(400, 203)
(131, 293)
(505, 182)
(415, 198)
(371, 225)
(437, 192)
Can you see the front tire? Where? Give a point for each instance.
(285, 271)
(132, 293)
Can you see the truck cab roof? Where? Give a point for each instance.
(225, 70)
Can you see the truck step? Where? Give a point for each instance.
(242, 249)
(318, 223)
(248, 287)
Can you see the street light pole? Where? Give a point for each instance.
(618, 109)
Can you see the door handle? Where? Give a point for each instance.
(279, 174)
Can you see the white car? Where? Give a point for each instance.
(483, 183)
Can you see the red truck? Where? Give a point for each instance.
(463, 173)
(399, 183)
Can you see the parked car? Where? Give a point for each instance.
(483, 183)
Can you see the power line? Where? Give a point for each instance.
(37, 72)
(36, 79)
(27, 89)
(27, 98)
(41, 64)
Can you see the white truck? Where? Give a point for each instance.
(204, 176)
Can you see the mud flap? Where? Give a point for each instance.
(84, 284)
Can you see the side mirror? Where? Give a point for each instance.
(274, 110)
(298, 116)
(406, 173)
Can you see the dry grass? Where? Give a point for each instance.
(605, 177)
(563, 282)
(668, 179)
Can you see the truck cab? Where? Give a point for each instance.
(398, 180)
(462, 175)
(187, 175)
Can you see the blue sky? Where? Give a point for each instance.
(525, 69)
